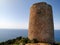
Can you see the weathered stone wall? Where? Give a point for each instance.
(41, 23)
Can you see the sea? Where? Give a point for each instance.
(7, 34)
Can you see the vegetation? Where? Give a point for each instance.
(20, 41)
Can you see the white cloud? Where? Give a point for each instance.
(24, 25)
(10, 25)
(57, 26)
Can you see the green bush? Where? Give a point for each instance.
(21, 41)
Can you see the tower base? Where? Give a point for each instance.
(39, 44)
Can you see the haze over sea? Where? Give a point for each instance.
(6, 34)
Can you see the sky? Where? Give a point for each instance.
(14, 14)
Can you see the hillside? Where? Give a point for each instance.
(20, 41)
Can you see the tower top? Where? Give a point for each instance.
(41, 4)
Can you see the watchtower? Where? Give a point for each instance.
(41, 25)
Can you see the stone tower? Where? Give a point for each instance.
(41, 23)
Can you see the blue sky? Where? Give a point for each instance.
(14, 14)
